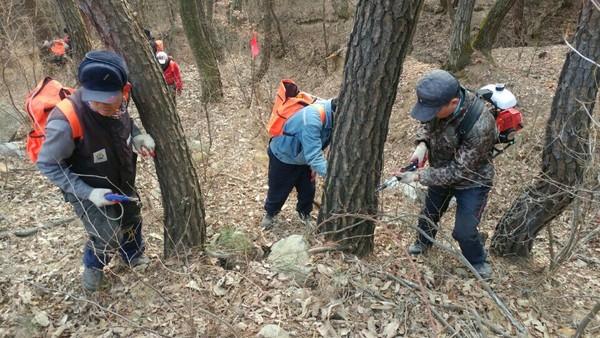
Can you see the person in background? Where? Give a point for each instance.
(101, 162)
(462, 169)
(67, 39)
(295, 157)
(59, 49)
(155, 44)
(171, 72)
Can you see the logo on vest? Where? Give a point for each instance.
(100, 156)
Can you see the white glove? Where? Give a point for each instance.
(420, 155)
(97, 197)
(408, 177)
(144, 144)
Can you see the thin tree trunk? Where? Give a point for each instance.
(280, 52)
(460, 49)
(518, 14)
(212, 88)
(567, 148)
(371, 75)
(80, 39)
(171, 35)
(486, 37)
(182, 197)
(268, 40)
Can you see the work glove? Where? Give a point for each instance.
(97, 197)
(144, 144)
(420, 155)
(407, 177)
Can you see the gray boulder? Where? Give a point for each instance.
(290, 257)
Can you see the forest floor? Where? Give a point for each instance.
(387, 294)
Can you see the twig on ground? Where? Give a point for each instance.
(33, 230)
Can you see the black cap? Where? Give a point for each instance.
(434, 90)
(102, 74)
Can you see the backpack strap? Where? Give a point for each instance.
(66, 106)
(322, 113)
(321, 110)
(471, 116)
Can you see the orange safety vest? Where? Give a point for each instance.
(58, 47)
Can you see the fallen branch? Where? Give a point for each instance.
(586, 320)
(30, 231)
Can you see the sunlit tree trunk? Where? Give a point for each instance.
(567, 148)
(486, 37)
(378, 45)
(180, 187)
(210, 76)
(460, 49)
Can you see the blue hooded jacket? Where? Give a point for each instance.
(305, 137)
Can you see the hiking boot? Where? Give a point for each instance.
(267, 222)
(307, 220)
(485, 270)
(417, 248)
(139, 260)
(93, 279)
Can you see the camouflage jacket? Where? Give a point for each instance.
(459, 165)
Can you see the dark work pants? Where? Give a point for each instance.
(470, 204)
(108, 231)
(283, 178)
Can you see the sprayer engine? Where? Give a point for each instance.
(508, 119)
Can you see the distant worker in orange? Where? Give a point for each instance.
(171, 72)
(59, 49)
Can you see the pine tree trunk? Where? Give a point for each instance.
(80, 39)
(486, 37)
(567, 148)
(460, 49)
(371, 75)
(212, 88)
(182, 197)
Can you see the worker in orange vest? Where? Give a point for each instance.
(59, 48)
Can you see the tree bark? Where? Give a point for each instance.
(486, 37)
(378, 45)
(268, 40)
(209, 31)
(80, 39)
(212, 88)
(567, 149)
(460, 49)
(518, 14)
(182, 197)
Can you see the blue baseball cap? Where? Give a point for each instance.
(434, 90)
(102, 74)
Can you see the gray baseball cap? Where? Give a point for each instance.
(434, 90)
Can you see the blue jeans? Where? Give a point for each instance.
(283, 178)
(470, 205)
(110, 229)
